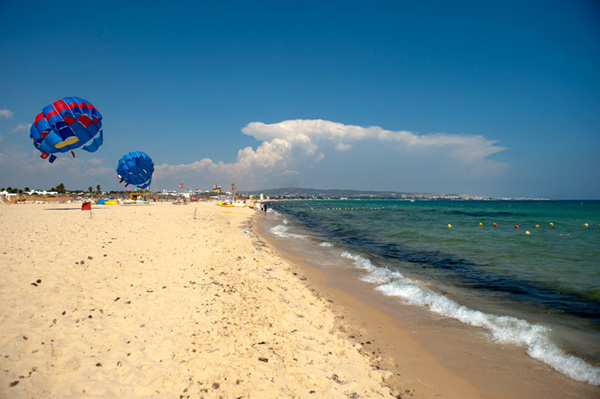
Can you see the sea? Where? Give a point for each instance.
(527, 272)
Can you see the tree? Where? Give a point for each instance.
(90, 189)
(98, 189)
(60, 188)
(27, 189)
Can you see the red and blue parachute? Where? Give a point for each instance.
(136, 168)
(65, 125)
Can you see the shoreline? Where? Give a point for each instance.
(163, 301)
(464, 352)
(387, 346)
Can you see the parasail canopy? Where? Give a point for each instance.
(65, 125)
(136, 168)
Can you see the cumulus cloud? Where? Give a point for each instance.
(6, 113)
(269, 159)
(291, 145)
(313, 132)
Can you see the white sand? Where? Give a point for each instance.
(146, 301)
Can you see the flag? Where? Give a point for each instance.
(232, 186)
(86, 206)
(180, 185)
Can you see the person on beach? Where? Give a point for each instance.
(263, 207)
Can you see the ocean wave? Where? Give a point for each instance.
(503, 329)
(281, 230)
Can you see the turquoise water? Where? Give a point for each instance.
(537, 285)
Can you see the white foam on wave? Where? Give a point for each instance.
(281, 230)
(503, 329)
(326, 244)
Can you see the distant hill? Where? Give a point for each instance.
(312, 192)
(297, 192)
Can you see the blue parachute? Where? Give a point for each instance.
(65, 125)
(136, 168)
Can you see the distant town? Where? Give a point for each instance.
(287, 193)
(334, 194)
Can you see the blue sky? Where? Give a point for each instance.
(487, 98)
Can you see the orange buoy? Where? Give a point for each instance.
(495, 225)
(516, 226)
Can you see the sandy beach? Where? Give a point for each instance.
(163, 301)
(178, 301)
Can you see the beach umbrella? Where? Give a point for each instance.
(136, 168)
(65, 125)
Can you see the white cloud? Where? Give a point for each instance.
(461, 146)
(6, 113)
(292, 145)
(343, 147)
(23, 127)
(313, 153)
(269, 159)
